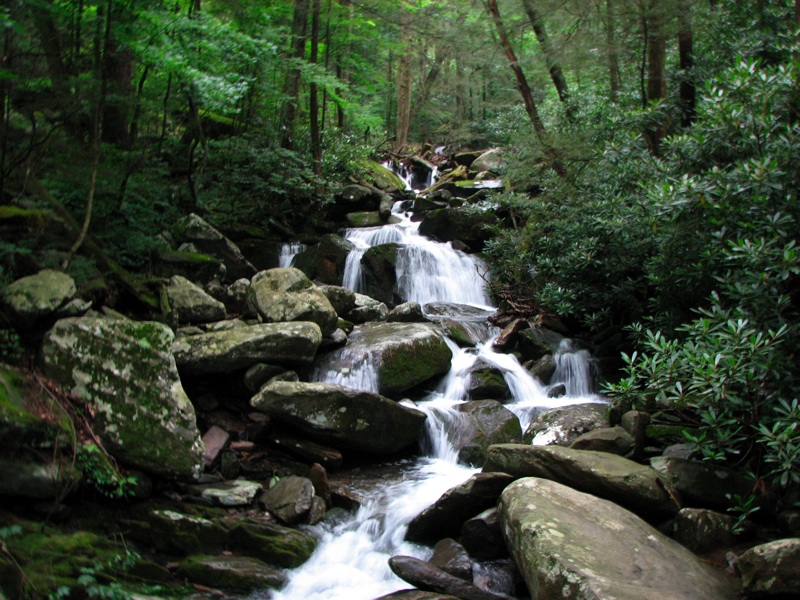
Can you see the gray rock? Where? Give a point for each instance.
(208, 240)
(342, 299)
(543, 368)
(285, 294)
(703, 484)
(228, 572)
(126, 370)
(224, 351)
(487, 383)
(238, 492)
(470, 227)
(771, 569)
(367, 309)
(326, 260)
(427, 577)
(451, 557)
(341, 416)
(482, 536)
(407, 312)
(35, 298)
(19, 426)
(561, 426)
(574, 545)
(606, 439)
(190, 304)
(702, 530)
(214, 440)
(36, 475)
(258, 374)
(445, 517)
(536, 342)
(488, 422)
(290, 499)
(491, 160)
(634, 486)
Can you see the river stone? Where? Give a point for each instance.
(36, 475)
(561, 426)
(771, 569)
(542, 369)
(367, 309)
(568, 544)
(482, 536)
(487, 383)
(240, 573)
(468, 226)
(491, 160)
(451, 557)
(488, 422)
(407, 312)
(606, 439)
(35, 298)
(191, 304)
(379, 273)
(126, 370)
(415, 594)
(207, 239)
(632, 485)
(286, 294)
(238, 492)
(405, 354)
(445, 517)
(342, 299)
(703, 484)
(341, 416)
(536, 342)
(290, 499)
(702, 530)
(289, 344)
(427, 577)
(326, 260)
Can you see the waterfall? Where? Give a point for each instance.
(288, 252)
(573, 369)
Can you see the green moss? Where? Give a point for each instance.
(426, 359)
(382, 177)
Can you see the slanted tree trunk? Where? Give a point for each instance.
(686, 58)
(556, 74)
(612, 52)
(524, 89)
(292, 86)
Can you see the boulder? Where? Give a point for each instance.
(354, 198)
(200, 267)
(573, 545)
(20, 425)
(482, 536)
(465, 334)
(535, 342)
(285, 294)
(214, 441)
(447, 515)
(190, 304)
(379, 272)
(702, 530)
(561, 426)
(325, 261)
(367, 309)
(238, 492)
(228, 572)
(341, 416)
(487, 383)
(126, 371)
(636, 487)
(430, 578)
(328, 457)
(407, 312)
(342, 299)
(606, 439)
(380, 176)
(288, 344)
(488, 422)
(290, 499)
(507, 338)
(415, 594)
(470, 227)
(37, 475)
(491, 160)
(208, 240)
(34, 299)
(451, 557)
(366, 219)
(543, 368)
(771, 569)
(703, 484)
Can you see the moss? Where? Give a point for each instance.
(275, 545)
(666, 434)
(426, 359)
(382, 177)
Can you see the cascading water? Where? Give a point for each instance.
(288, 252)
(351, 560)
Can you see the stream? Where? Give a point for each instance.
(351, 560)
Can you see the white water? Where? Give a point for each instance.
(288, 253)
(351, 560)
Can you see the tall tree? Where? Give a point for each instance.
(686, 59)
(404, 77)
(313, 109)
(292, 87)
(656, 67)
(612, 51)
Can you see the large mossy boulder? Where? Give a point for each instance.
(20, 425)
(771, 569)
(341, 416)
(194, 230)
(379, 269)
(190, 304)
(634, 486)
(469, 226)
(573, 545)
(126, 371)
(562, 425)
(229, 572)
(488, 423)
(326, 260)
(36, 298)
(285, 294)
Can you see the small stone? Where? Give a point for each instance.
(215, 440)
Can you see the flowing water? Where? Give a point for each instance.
(351, 561)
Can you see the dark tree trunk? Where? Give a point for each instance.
(556, 74)
(316, 139)
(656, 78)
(403, 93)
(612, 52)
(292, 87)
(686, 57)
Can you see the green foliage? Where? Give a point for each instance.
(99, 580)
(11, 350)
(102, 474)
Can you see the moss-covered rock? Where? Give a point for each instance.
(380, 176)
(20, 426)
(326, 260)
(365, 219)
(489, 422)
(379, 268)
(468, 226)
(194, 265)
(126, 370)
(36, 298)
(227, 572)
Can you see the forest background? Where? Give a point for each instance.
(651, 149)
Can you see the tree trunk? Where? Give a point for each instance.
(556, 74)
(424, 92)
(656, 59)
(524, 88)
(686, 58)
(313, 108)
(403, 92)
(612, 52)
(292, 87)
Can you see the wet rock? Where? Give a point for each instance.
(536, 342)
(487, 383)
(634, 486)
(281, 546)
(225, 351)
(702, 530)
(214, 440)
(561, 426)
(238, 492)
(606, 439)
(702, 484)
(450, 224)
(36, 475)
(319, 478)
(200, 267)
(330, 457)
(408, 312)
(366, 310)
(463, 333)
(325, 261)
(447, 515)
(35, 299)
(227, 572)
(190, 304)
(482, 536)
(258, 374)
(771, 569)
(207, 239)
(451, 309)
(427, 577)
(450, 557)
(415, 594)
(342, 299)
(126, 370)
(284, 295)
(341, 416)
(365, 219)
(379, 271)
(354, 198)
(491, 160)
(290, 499)
(557, 390)
(488, 422)
(507, 338)
(574, 545)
